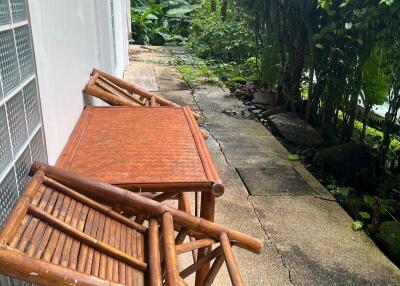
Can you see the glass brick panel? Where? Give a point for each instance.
(31, 106)
(24, 50)
(5, 147)
(16, 119)
(5, 17)
(22, 166)
(8, 195)
(8, 62)
(18, 10)
(37, 147)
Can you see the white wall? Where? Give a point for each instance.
(70, 37)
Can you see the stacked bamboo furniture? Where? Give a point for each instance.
(156, 151)
(61, 233)
(117, 92)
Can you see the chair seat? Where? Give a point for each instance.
(40, 240)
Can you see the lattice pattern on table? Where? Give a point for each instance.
(17, 123)
(24, 50)
(5, 147)
(22, 166)
(37, 147)
(8, 195)
(18, 9)
(31, 106)
(5, 17)
(8, 62)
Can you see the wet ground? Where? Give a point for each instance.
(308, 236)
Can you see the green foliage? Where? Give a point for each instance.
(374, 83)
(294, 157)
(224, 41)
(357, 225)
(388, 238)
(161, 22)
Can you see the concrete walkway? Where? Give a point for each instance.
(308, 236)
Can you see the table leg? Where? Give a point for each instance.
(207, 211)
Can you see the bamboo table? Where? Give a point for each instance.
(145, 149)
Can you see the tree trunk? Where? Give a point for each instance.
(365, 121)
(213, 5)
(224, 7)
(310, 87)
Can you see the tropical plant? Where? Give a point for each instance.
(161, 22)
(374, 85)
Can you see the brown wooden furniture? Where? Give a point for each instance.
(147, 150)
(61, 233)
(118, 92)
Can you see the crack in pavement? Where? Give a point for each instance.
(270, 239)
(208, 130)
(247, 189)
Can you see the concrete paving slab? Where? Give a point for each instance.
(315, 239)
(274, 179)
(168, 79)
(143, 75)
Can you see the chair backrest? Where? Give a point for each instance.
(61, 233)
(118, 92)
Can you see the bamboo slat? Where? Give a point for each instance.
(214, 270)
(66, 228)
(230, 261)
(183, 248)
(171, 262)
(154, 254)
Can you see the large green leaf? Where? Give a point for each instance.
(176, 12)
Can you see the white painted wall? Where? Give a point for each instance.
(70, 37)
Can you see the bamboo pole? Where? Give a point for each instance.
(216, 266)
(16, 264)
(114, 195)
(169, 250)
(123, 91)
(93, 204)
(87, 239)
(154, 254)
(210, 168)
(233, 269)
(186, 247)
(181, 235)
(200, 262)
(108, 97)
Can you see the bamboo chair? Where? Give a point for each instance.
(118, 92)
(61, 233)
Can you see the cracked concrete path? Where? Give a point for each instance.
(307, 235)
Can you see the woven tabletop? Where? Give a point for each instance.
(140, 146)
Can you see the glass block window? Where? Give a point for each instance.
(5, 146)
(38, 153)
(5, 17)
(8, 195)
(8, 62)
(21, 132)
(18, 8)
(22, 166)
(31, 102)
(24, 51)
(17, 121)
